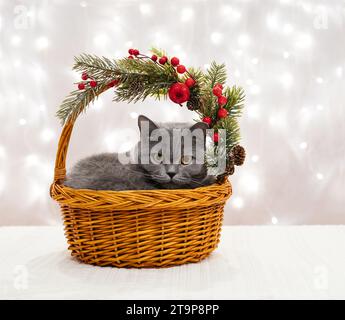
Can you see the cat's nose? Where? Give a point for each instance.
(171, 174)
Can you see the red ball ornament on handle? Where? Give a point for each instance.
(190, 82)
(179, 93)
(175, 61)
(181, 68)
(222, 100)
(207, 120)
(93, 83)
(81, 86)
(163, 60)
(217, 91)
(84, 76)
(222, 113)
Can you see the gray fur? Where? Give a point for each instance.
(105, 171)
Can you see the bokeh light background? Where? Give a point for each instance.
(288, 55)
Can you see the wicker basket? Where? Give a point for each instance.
(155, 228)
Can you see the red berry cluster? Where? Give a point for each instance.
(93, 83)
(85, 77)
(133, 52)
(222, 112)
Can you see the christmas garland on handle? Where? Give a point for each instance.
(139, 76)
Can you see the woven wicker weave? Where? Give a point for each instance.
(155, 228)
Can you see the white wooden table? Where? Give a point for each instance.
(251, 263)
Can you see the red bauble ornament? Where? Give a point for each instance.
(175, 61)
(207, 120)
(215, 137)
(81, 86)
(154, 58)
(190, 82)
(222, 100)
(84, 76)
(163, 60)
(181, 68)
(222, 113)
(130, 57)
(93, 83)
(135, 52)
(130, 51)
(217, 91)
(179, 93)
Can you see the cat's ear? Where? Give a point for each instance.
(145, 121)
(200, 125)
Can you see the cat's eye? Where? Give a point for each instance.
(186, 159)
(157, 158)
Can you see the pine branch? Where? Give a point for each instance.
(216, 73)
(235, 104)
(230, 124)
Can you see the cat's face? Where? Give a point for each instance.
(172, 154)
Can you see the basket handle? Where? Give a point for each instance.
(61, 154)
(60, 160)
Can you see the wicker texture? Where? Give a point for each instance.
(155, 228)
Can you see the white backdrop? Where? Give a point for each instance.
(288, 55)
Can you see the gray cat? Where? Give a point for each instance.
(152, 170)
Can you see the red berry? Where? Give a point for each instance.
(190, 82)
(222, 113)
(207, 120)
(179, 93)
(130, 57)
(181, 68)
(81, 86)
(222, 100)
(130, 51)
(163, 60)
(154, 58)
(93, 83)
(175, 61)
(217, 91)
(112, 83)
(215, 137)
(219, 85)
(84, 76)
(135, 52)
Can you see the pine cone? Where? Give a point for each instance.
(239, 155)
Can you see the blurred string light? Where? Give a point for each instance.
(237, 202)
(47, 135)
(42, 43)
(232, 14)
(274, 220)
(303, 145)
(255, 158)
(187, 14)
(22, 122)
(286, 79)
(319, 176)
(216, 37)
(16, 40)
(145, 9)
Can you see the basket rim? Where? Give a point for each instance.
(157, 199)
(143, 191)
